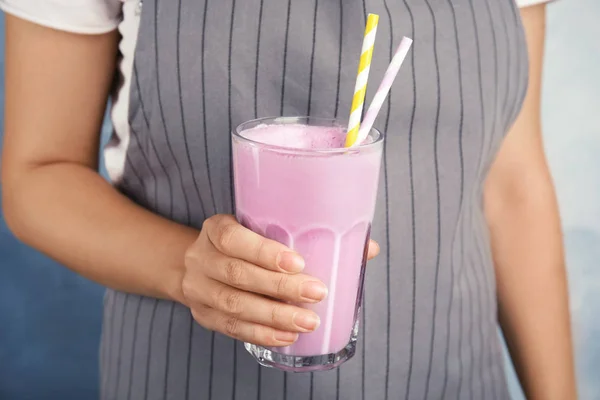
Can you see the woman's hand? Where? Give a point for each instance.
(236, 282)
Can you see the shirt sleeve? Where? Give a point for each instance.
(526, 3)
(77, 16)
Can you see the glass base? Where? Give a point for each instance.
(272, 359)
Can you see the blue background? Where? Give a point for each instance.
(50, 317)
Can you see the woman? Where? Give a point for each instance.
(467, 218)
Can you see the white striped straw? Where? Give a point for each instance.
(384, 89)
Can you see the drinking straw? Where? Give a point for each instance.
(360, 89)
(384, 89)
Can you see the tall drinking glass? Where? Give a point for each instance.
(318, 198)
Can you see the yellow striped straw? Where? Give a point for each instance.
(360, 89)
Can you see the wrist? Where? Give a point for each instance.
(172, 288)
(172, 283)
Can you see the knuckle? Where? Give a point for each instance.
(231, 326)
(191, 257)
(207, 224)
(230, 301)
(234, 271)
(217, 295)
(234, 303)
(200, 313)
(276, 313)
(281, 284)
(188, 289)
(260, 249)
(212, 222)
(226, 232)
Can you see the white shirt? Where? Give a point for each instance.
(101, 16)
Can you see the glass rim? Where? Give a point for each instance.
(379, 137)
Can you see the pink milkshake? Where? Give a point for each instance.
(295, 183)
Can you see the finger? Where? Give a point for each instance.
(242, 330)
(251, 307)
(374, 250)
(234, 240)
(298, 288)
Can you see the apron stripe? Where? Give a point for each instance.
(204, 100)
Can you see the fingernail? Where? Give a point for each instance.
(374, 249)
(286, 337)
(313, 291)
(291, 262)
(307, 321)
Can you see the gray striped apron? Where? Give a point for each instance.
(429, 326)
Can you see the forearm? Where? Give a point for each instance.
(532, 291)
(70, 213)
(57, 85)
